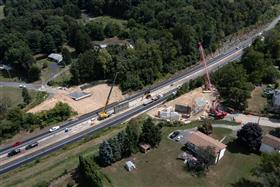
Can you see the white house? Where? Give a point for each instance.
(270, 144)
(202, 140)
(56, 57)
(129, 166)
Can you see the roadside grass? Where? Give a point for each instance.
(159, 167)
(5, 77)
(2, 16)
(224, 122)
(219, 133)
(257, 102)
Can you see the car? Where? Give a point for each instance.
(16, 144)
(32, 145)
(174, 134)
(178, 138)
(54, 128)
(67, 130)
(22, 86)
(14, 152)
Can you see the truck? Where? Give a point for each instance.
(147, 101)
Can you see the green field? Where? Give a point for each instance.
(159, 167)
(14, 97)
(257, 102)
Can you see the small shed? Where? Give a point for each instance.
(129, 165)
(55, 57)
(144, 148)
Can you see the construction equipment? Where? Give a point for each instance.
(105, 114)
(207, 82)
(216, 112)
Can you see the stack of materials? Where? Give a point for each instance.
(169, 114)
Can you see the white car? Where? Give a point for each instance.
(22, 86)
(54, 128)
(178, 138)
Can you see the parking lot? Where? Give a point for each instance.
(180, 136)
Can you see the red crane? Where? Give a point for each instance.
(207, 82)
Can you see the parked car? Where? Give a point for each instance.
(54, 128)
(16, 144)
(14, 152)
(178, 138)
(30, 146)
(174, 134)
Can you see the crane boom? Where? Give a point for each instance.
(108, 97)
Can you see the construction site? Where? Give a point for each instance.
(197, 104)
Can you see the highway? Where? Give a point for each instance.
(178, 79)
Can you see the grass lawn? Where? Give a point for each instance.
(257, 103)
(14, 96)
(160, 168)
(62, 80)
(51, 69)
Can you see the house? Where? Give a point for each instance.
(202, 140)
(129, 166)
(276, 99)
(270, 144)
(56, 57)
(144, 148)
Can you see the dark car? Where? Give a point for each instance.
(16, 144)
(174, 134)
(14, 152)
(30, 146)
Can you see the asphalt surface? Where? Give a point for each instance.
(114, 120)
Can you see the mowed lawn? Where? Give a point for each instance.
(160, 168)
(13, 94)
(257, 102)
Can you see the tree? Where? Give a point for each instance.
(275, 132)
(124, 144)
(48, 44)
(233, 86)
(57, 34)
(269, 170)
(150, 133)
(34, 73)
(90, 174)
(35, 39)
(81, 41)
(116, 149)
(105, 154)
(66, 56)
(41, 184)
(112, 29)
(26, 96)
(206, 127)
(133, 132)
(95, 31)
(251, 136)
(205, 158)
(72, 10)
(5, 104)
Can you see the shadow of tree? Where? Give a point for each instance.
(235, 147)
(247, 183)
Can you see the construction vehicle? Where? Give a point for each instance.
(207, 82)
(105, 114)
(216, 112)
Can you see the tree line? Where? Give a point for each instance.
(120, 146)
(165, 33)
(16, 119)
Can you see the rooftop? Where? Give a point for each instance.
(272, 141)
(79, 95)
(55, 56)
(202, 140)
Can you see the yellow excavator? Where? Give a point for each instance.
(104, 114)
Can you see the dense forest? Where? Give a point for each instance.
(165, 34)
